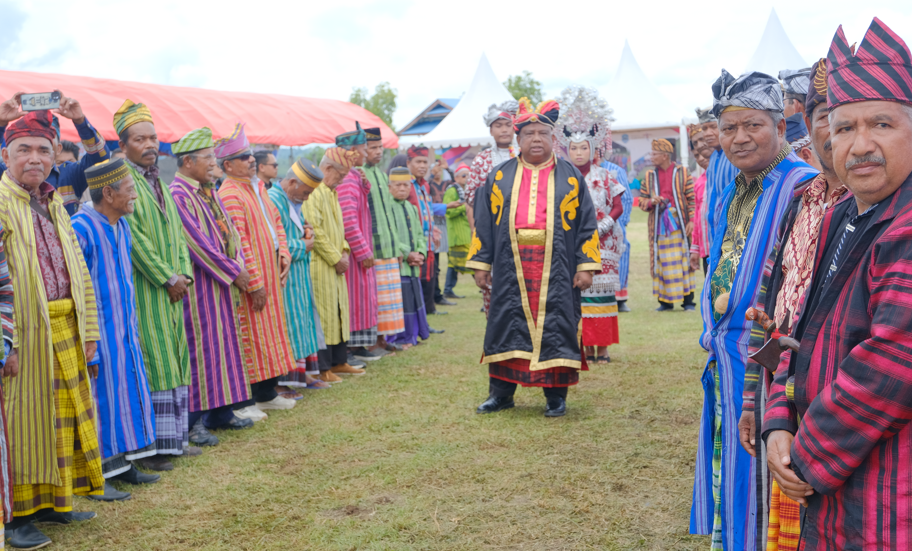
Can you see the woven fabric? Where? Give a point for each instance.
(881, 68)
(753, 90)
(796, 81)
(673, 278)
(78, 458)
(456, 259)
(817, 89)
(600, 322)
(36, 124)
(390, 317)
(172, 432)
(355, 137)
(233, 144)
(784, 522)
(353, 194)
(129, 114)
(414, 312)
(201, 138)
(105, 173)
(343, 157)
(363, 337)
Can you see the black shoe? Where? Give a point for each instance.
(622, 306)
(112, 494)
(136, 477)
(444, 302)
(689, 307)
(452, 295)
(665, 308)
(199, 436)
(27, 536)
(237, 423)
(352, 361)
(494, 403)
(557, 407)
(439, 313)
(366, 355)
(54, 517)
(433, 331)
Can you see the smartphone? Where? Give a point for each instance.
(38, 102)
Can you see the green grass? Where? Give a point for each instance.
(397, 459)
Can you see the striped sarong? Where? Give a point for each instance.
(416, 324)
(172, 434)
(673, 278)
(784, 522)
(456, 258)
(716, 542)
(390, 317)
(600, 311)
(78, 455)
(364, 337)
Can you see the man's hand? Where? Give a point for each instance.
(90, 349)
(436, 235)
(689, 229)
(367, 263)
(778, 448)
(747, 432)
(582, 280)
(414, 259)
(242, 280)
(308, 236)
(342, 264)
(284, 269)
(259, 299)
(694, 262)
(483, 279)
(454, 204)
(70, 109)
(11, 368)
(93, 370)
(179, 289)
(9, 109)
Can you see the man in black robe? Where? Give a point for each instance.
(536, 242)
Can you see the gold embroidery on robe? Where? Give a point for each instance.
(591, 248)
(497, 201)
(476, 246)
(570, 203)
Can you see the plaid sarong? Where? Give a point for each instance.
(390, 317)
(78, 455)
(171, 431)
(456, 258)
(784, 522)
(364, 337)
(673, 278)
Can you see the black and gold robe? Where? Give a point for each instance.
(571, 245)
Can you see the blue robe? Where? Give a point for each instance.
(126, 423)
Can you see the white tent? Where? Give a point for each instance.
(464, 125)
(637, 103)
(775, 51)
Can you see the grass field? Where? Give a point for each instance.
(397, 459)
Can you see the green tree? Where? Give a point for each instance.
(524, 86)
(382, 103)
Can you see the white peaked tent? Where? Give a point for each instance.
(775, 51)
(637, 103)
(464, 125)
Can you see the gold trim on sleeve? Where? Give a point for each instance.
(475, 265)
(589, 267)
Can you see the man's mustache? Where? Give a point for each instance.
(151, 150)
(866, 159)
(828, 146)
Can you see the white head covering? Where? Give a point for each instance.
(584, 116)
(505, 110)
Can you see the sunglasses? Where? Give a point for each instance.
(245, 157)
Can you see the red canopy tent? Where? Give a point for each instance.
(271, 118)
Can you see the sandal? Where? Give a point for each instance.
(292, 395)
(604, 359)
(590, 359)
(318, 385)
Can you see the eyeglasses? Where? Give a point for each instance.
(246, 157)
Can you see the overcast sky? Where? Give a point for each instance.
(426, 50)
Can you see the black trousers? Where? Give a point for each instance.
(498, 388)
(438, 296)
(263, 391)
(688, 301)
(335, 354)
(212, 418)
(427, 289)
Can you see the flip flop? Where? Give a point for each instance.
(590, 359)
(316, 385)
(604, 359)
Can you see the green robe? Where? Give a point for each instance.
(410, 235)
(159, 252)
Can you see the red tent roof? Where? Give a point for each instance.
(270, 118)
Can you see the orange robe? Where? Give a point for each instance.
(264, 338)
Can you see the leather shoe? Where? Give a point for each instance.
(445, 302)
(433, 331)
(622, 306)
(136, 477)
(494, 403)
(112, 494)
(54, 517)
(453, 295)
(155, 463)
(557, 407)
(27, 536)
(201, 437)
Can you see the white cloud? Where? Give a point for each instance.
(426, 50)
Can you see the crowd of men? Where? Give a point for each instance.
(139, 322)
(145, 317)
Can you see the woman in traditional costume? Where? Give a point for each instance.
(583, 132)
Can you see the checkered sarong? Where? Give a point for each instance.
(364, 337)
(390, 318)
(171, 431)
(78, 455)
(673, 278)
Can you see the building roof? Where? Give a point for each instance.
(430, 117)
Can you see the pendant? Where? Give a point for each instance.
(721, 303)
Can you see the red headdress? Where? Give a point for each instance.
(37, 124)
(547, 113)
(417, 151)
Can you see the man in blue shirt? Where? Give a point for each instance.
(69, 177)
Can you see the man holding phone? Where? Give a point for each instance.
(69, 177)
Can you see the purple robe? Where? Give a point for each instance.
(218, 369)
